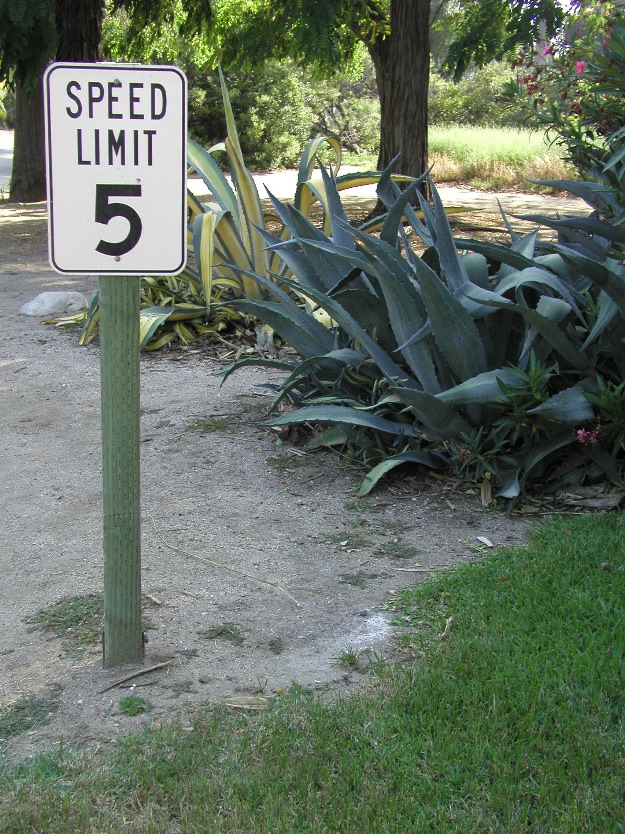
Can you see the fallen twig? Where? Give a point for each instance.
(224, 567)
(314, 477)
(134, 675)
(415, 570)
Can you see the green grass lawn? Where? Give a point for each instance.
(487, 157)
(511, 722)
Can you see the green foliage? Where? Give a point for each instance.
(7, 106)
(347, 106)
(274, 108)
(320, 34)
(27, 712)
(133, 705)
(474, 355)
(571, 87)
(470, 101)
(610, 402)
(27, 39)
(188, 18)
(156, 39)
(492, 29)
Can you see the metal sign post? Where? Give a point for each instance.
(116, 174)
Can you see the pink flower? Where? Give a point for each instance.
(587, 438)
(580, 66)
(547, 50)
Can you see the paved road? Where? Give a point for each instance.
(6, 159)
(282, 184)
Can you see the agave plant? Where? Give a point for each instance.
(228, 232)
(482, 357)
(225, 238)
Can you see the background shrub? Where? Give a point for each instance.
(273, 106)
(472, 101)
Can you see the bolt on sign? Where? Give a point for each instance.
(116, 167)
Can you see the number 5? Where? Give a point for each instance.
(105, 211)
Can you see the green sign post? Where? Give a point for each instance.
(116, 176)
(119, 372)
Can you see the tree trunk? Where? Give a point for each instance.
(28, 181)
(79, 29)
(402, 69)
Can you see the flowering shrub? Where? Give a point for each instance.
(561, 86)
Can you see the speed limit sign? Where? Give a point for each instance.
(116, 168)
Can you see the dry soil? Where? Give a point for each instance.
(259, 566)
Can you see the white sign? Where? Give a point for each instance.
(116, 138)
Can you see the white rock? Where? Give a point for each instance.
(55, 304)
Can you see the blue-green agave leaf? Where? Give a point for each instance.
(259, 361)
(611, 283)
(393, 219)
(388, 367)
(341, 260)
(510, 486)
(543, 449)
(591, 225)
(451, 265)
(296, 261)
(371, 313)
(454, 330)
(336, 435)
(336, 210)
(438, 416)
(606, 313)
(476, 266)
(593, 193)
(308, 341)
(433, 460)
(345, 356)
(550, 331)
(473, 298)
(342, 414)
(387, 190)
(539, 279)
(483, 388)
(405, 308)
(604, 461)
(568, 406)
(495, 252)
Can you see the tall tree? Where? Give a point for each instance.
(402, 69)
(33, 32)
(326, 33)
(27, 40)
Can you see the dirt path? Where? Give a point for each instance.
(239, 529)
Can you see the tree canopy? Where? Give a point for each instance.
(485, 30)
(32, 32)
(27, 39)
